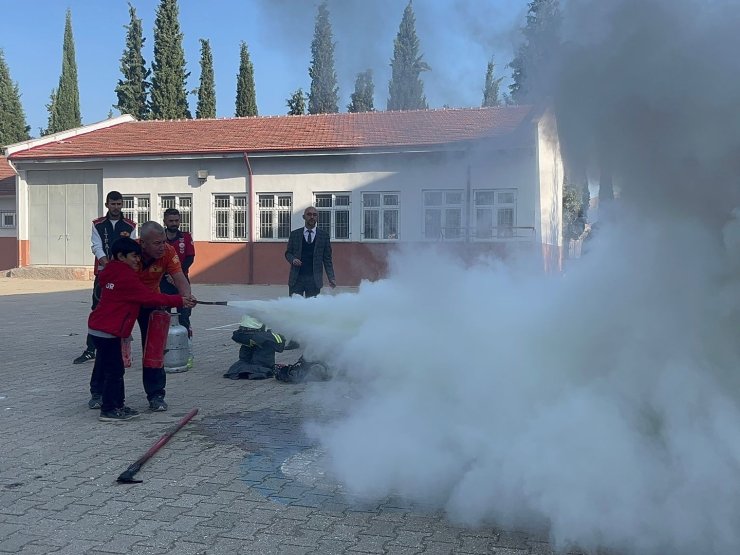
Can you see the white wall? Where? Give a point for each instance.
(550, 166)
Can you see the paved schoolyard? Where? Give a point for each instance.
(240, 478)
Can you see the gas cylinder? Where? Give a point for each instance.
(177, 351)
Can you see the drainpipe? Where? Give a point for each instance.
(250, 210)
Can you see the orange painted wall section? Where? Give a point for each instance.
(220, 262)
(353, 262)
(8, 253)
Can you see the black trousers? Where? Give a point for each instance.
(154, 379)
(90, 345)
(305, 285)
(107, 376)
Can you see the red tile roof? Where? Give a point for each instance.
(370, 130)
(7, 178)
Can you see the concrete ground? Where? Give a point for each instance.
(240, 478)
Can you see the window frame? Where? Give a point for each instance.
(443, 209)
(497, 232)
(275, 211)
(135, 212)
(333, 210)
(381, 209)
(3, 214)
(186, 212)
(231, 210)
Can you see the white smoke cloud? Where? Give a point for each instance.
(603, 402)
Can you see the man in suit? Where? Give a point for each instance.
(309, 254)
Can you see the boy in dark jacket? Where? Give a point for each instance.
(122, 293)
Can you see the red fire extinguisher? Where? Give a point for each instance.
(126, 351)
(156, 339)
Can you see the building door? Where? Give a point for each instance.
(62, 205)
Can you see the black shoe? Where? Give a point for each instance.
(84, 357)
(118, 415)
(157, 404)
(95, 402)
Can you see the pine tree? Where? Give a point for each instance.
(406, 90)
(362, 98)
(13, 128)
(64, 109)
(534, 65)
(169, 99)
(206, 107)
(491, 89)
(324, 95)
(133, 88)
(297, 103)
(246, 95)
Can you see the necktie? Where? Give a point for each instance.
(310, 231)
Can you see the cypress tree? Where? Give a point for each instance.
(362, 98)
(206, 107)
(64, 109)
(491, 88)
(169, 99)
(13, 128)
(132, 89)
(246, 96)
(324, 95)
(297, 103)
(533, 66)
(405, 89)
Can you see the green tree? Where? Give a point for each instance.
(13, 128)
(206, 107)
(246, 95)
(573, 212)
(491, 88)
(297, 103)
(324, 95)
(64, 109)
(406, 90)
(533, 66)
(362, 98)
(132, 89)
(169, 99)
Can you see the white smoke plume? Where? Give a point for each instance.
(604, 402)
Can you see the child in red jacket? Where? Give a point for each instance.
(122, 293)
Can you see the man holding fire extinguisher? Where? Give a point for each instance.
(158, 258)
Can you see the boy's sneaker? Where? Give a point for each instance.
(95, 402)
(157, 404)
(118, 415)
(84, 357)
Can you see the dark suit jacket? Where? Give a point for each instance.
(321, 256)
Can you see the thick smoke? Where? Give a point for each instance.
(603, 402)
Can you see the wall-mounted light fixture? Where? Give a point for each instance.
(202, 176)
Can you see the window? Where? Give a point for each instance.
(136, 208)
(443, 215)
(333, 214)
(274, 213)
(380, 215)
(229, 217)
(7, 219)
(495, 212)
(184, 203)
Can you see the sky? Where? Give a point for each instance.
(457, 39)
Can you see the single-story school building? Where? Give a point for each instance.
(474, 180)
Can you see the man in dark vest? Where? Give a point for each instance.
(105, 231)
(309, 254)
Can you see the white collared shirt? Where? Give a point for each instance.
(313, 234)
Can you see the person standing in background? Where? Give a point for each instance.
(105, 230)
(309, 255)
